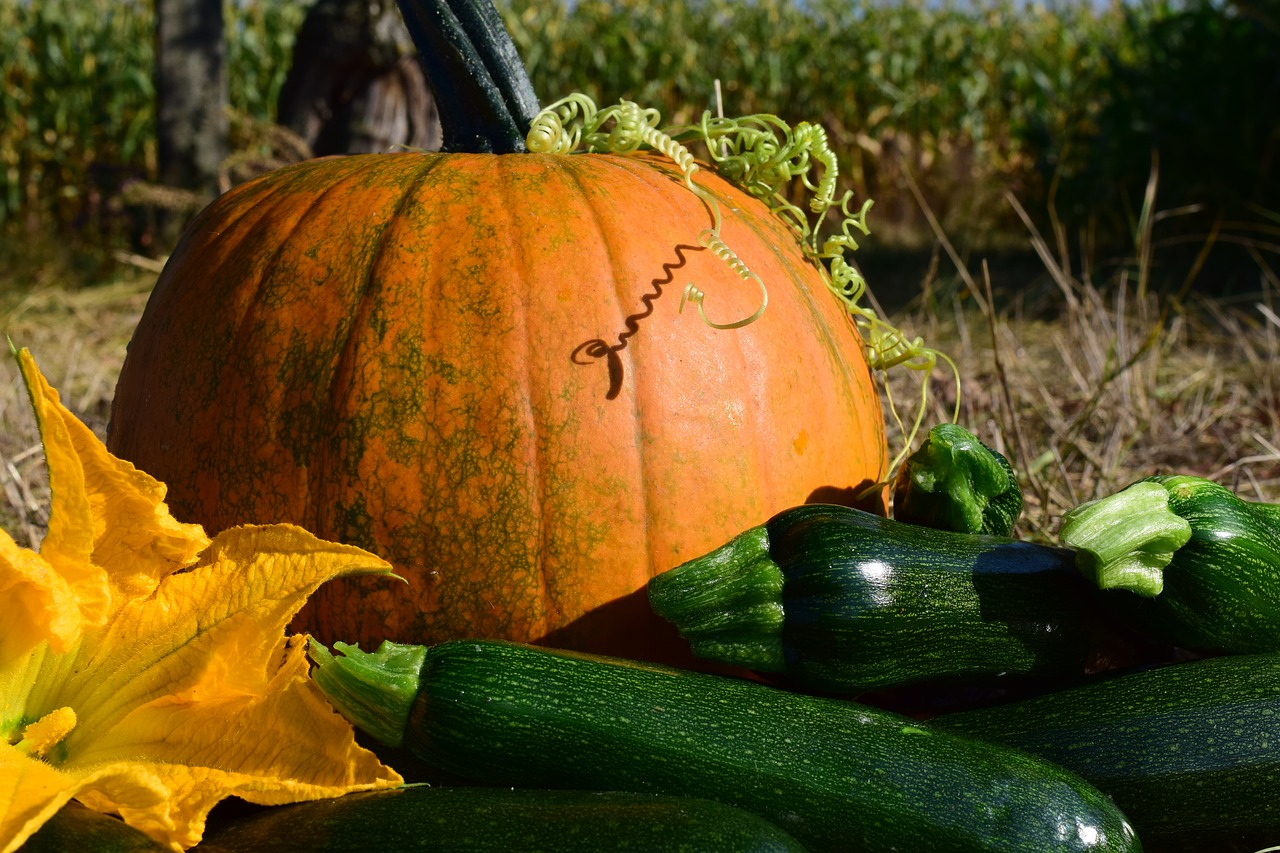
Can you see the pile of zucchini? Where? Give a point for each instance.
(1099, 635)
(1123, 684)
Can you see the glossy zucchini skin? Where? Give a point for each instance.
(1222, 588)
(496, 820)
(1189, 751)
(833, 774)
(843, 601)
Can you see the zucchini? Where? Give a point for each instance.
(840, 600)
(833, 774)
(419, 817)
(955, 482)
(1189, 751)
(1203, 564)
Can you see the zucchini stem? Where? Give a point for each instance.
(955, 482)
(373, 690)
(1125, 540)
(728, 603)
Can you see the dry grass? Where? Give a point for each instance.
(1118, 386)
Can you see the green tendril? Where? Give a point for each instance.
(710, 239)
(763, 155)
(574, 123)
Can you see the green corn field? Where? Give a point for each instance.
(943, 110)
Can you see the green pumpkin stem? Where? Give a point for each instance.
(484, 96)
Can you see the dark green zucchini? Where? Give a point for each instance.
(1189, 751)
(1203, 563)
(844, 601)
(833, 774)
(501, 820)
(955, 482)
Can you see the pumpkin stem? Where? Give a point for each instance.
(482, 91)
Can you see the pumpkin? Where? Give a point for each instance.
(476, 365)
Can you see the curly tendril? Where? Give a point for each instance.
(558, 128)
(763, 155)
(710, 239)
(575, 123)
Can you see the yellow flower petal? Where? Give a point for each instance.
(68, 544)
(198, 686)
(132, 535)
(284, 746)
(137, 541)
(39, 603)
(216, 628)
(144, 669)
(34, 791)
(18, 678)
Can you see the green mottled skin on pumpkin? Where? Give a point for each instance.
(379, 348)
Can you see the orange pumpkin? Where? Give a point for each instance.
(475, 365)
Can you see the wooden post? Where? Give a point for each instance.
(192, 126)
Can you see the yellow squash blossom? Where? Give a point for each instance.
(144, 668)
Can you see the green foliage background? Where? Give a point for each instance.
(77, 100)
(1065, 107)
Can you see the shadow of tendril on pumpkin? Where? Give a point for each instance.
(593, 350)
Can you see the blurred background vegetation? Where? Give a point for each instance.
(1084, 124)
(1079, 203)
